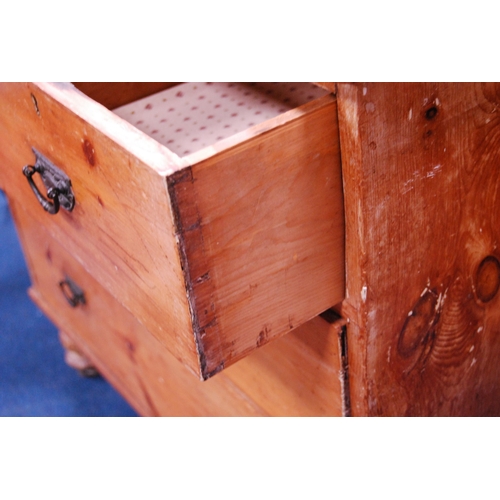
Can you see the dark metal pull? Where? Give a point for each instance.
(52, 193)
(72, 292)
(55, 180)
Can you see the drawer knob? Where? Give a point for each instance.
(72, 292)
(57, 183)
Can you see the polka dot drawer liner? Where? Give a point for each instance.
(191, 116)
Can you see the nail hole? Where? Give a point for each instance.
(431, 113)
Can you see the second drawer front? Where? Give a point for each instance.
(297, 374)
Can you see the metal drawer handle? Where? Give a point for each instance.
(72, 292)
(52, 193)
(55, 180)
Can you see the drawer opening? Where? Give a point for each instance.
(189, 117)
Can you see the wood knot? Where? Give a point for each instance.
(487, 279)
(418, 325)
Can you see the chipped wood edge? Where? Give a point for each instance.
(149, 151)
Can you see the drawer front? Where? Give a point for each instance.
(120, 229)
(216, 254)
(296, 375)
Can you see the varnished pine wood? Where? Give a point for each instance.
(296, 375)
(262, 232)
(422, 181)
(216, 258)
(422, 264)
(73, 107)
(121, 228)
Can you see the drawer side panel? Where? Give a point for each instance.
(262, 228)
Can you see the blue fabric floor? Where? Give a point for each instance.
(34, 379)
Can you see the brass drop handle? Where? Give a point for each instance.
(72, 292)
(55, 180)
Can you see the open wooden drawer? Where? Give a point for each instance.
(216, 252)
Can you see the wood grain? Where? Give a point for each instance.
(68, 103)
(422, 181)
(123, 351)
(296, 375)
(262, 230)
(121, 228)
(215, 258)
(299, 374)
(115, 94)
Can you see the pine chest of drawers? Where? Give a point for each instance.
(201, 230)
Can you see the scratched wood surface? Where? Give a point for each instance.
(298, 375)
(422, 180)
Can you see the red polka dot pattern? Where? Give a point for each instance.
(191, 116)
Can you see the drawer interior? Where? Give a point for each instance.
(191, 116)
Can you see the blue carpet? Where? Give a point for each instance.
(34, 379)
